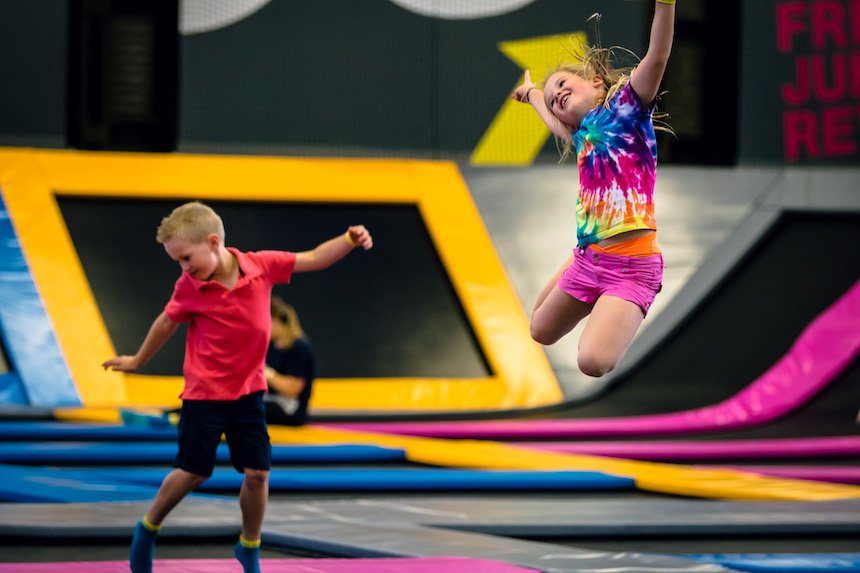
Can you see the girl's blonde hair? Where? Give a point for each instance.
(192, 221)
(602, 62)
(287, 315)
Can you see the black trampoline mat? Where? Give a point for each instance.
(388, 312)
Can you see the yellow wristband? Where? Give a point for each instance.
(349, 239)
(666, 1)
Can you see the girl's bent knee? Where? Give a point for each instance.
(594, 366)
(541, 336)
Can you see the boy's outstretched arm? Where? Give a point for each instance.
(649, 73)
(524, 94)
(328, 253)
(162, 329)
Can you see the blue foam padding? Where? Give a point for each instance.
(400, 479)
(141, 452)
(11, 389)
(37, 485)
(84, 452)
(26, 328)
(784, 562)
(61, 431)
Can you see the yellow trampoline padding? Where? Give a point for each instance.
(59, 277)
(649, 476)
(367, 394)
(32, 180)
(100, 415)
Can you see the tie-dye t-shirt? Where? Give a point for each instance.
(617, 157)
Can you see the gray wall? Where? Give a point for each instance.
(33, 68)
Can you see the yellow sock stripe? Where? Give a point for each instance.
(249, 544)
(149, 525)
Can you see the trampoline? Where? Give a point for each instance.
(381, 497)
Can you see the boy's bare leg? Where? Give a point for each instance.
(174, 488)
(252, 500)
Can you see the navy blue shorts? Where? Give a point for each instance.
(242, 421)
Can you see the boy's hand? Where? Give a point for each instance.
(521, 94)
(360, 237)
(121, 364)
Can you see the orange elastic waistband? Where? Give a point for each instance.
(643, 246)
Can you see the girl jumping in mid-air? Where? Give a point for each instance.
(607, 116)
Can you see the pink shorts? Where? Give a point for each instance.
(593, 274)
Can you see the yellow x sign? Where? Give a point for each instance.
(516, 135)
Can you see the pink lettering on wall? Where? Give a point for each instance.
(829, 24)
(821, 102)
(791, 21)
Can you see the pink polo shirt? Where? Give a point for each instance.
(228, 330)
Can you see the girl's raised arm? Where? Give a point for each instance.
(649, 73)
(524, 94)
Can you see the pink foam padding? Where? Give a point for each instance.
(831, 446)
(824, 349)
(840, 474)
(419, 565)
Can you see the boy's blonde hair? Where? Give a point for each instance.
(287, 314)
(601, 62)
(193, 222)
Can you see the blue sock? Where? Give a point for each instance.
(249, 557)
(142, 548)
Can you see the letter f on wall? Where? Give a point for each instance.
(516, 135)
